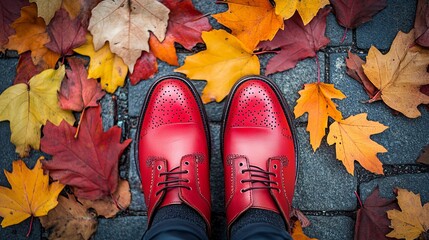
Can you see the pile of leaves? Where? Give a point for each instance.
(55, 82)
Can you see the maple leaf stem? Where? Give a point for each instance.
(30, 227)
(80, 121)
(264, 51)
(318, 68)
(344, 35)
(118, 205)
(360, 202)
(375, 98)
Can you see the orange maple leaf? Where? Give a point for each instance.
(298, 233)
(31, 36)
(31, 193)
(353, 142)
(251, 21)
(316, 100)
(412, 220)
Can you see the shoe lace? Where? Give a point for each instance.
(173, 180)
(259, 175)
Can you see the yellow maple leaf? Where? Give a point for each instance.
(399, 74)
(353, 142)
(251, 21)
(28, 107)
(307, 9)
(104, 65)
(298, 233)
(46, 8)
(223, 63)
(30, 193)
(412, 220)
(316, 100)
(126, 25)
(31, 36)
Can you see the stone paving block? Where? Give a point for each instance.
(108, 111)
(417, 183)
(129, 227)
(291, 81)
(323, 183)
(216, 171)
(405, 137)
(381, 30)
(7, 72)
(330, 228)
(19, 231)
(137, 198)
(335, 32)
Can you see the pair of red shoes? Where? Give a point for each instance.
(258, 146)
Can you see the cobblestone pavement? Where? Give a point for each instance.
(325, 191)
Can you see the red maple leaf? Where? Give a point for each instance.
(145, 67)
(421, 23)
(65, 33)
(26, 69)
(296, 41)
(77, 91)
(352, 13)
(355, 70)
(88, 163)
(185, 25)
(372, 221)
(10, 10)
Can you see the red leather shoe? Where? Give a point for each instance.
(259, 150)
(173, 148)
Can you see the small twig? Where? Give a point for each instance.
(318, 68)
(344, 35)
(31, 226)
(80, 121)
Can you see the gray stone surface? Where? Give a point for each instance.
(137, 203)
(19, 232)
(323, 183)
(292, 81)
(129, 227)
(380, 32)
(417, 183)
(330, 228)
(335, 32)
(404, 139)
(7, 72)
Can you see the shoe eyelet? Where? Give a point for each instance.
(186, 171)
(240, 164)
(242, 190)
(275, 166)
(159, 167)
(186, 163)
